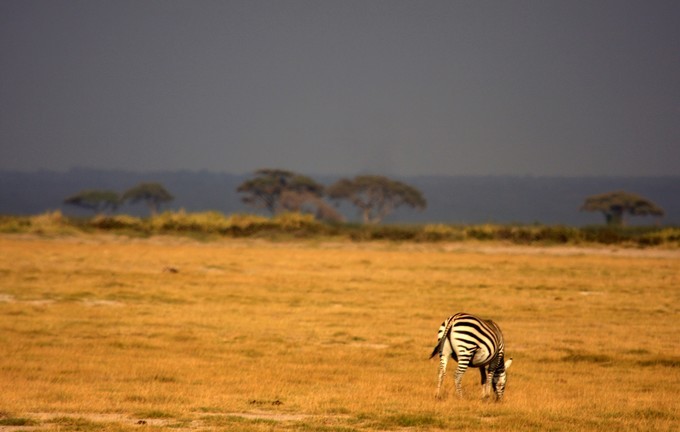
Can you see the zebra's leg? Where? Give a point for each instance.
(486, 386)
(463, 362)
(485, 379)
(443, 360)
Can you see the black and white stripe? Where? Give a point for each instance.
(472, 342)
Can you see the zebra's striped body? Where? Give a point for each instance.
(472, 342)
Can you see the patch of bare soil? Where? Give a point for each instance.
(8, 298)
(42, 420)
(567, 250)
(261, 415)
(39, 421)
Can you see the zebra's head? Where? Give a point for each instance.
(499, 379)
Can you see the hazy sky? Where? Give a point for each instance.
(342, 87)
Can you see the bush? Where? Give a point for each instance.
(118, 222)
(244, 225)
(305, 225)
(49, 223)
(384, 232)
(560, 234)
(291, 222)
(441, 232)
(481, 232)
(669, 236)
(14, 224)
(235, 225)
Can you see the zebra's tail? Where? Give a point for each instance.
(440, 345)
(435, 351)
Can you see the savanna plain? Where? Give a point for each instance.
(103, 332)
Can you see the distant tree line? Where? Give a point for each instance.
(374, 196)
(107, 201)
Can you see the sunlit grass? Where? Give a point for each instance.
(328, 336)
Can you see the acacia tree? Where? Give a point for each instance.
(614, 205)
(306, 202)
(96, 200)
(279, 190)
(376, 196)
(153, 194)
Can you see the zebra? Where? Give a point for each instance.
(474, 342)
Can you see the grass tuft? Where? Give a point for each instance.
(17, 421)
(663, 362)
(155, 414)
(586, 358)
(414, 421)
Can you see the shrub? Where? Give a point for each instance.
(118, 222)
(670, 236)
(288, 222)
(244, 225)
(305, 225)
(441, 232)
(14, 224)
(481, 232)
(49, 223)
(385, 232)
(560, 234)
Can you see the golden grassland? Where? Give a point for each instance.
(165, 333)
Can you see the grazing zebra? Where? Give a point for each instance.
(472, 342)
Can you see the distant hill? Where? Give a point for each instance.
(455, 199)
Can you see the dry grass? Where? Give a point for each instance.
(99, 332)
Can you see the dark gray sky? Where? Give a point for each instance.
(342, 87)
